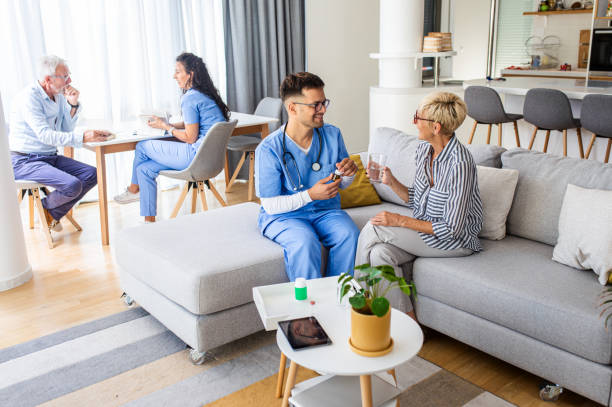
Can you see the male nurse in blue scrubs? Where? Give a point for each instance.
(294, 167)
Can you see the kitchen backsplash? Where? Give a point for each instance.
(567, 27)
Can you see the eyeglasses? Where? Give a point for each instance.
(417, 118)
(317, 105)
(64, 77)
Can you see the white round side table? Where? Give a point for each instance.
(341, 365)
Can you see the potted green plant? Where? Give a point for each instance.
(606, 305)
(371, 312)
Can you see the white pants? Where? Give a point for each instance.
(394, 246)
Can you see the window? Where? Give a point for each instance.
(513, 29)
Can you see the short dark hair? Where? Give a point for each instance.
(294, 83)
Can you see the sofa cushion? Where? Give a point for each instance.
(515, 284)
(539, 194)
(360, 192)
(585, 231)
(496, 187)
(400, 150)
(205, 262)
(487, 155)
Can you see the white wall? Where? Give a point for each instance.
(567, 27)
(470, 38)
(340, 34)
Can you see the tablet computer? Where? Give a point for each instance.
(303, 333)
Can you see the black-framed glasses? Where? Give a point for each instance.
(317, 105)
(64, 77)
(417, 118)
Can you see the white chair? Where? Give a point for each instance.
(33, 190)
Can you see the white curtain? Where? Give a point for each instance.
(121, 55)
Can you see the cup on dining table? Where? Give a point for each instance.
(376, 166)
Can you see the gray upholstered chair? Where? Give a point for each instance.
(207, 164)
(33, 190)
(595, 117)
(268, 107)
(550, 109)
(485, 107)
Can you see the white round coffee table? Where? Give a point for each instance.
(343, 365)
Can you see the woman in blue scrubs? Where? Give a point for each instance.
(202, 107)
(294, 167)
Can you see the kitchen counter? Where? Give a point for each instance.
(578, 73)
(574, 89)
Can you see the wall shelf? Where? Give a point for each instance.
(555, 12)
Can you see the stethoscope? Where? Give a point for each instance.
(316, 166)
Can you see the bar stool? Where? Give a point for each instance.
(595, 117)
(549, 109)
(33, 190)
(485, 107)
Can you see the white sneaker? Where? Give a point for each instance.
(52, 224)
(127, 197)
(56, 226)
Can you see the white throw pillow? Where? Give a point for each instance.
(585, 231)
(496, 186)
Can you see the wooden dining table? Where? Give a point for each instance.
(129, 133)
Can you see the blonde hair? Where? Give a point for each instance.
(445, 108)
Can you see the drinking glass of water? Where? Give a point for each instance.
(376, 165)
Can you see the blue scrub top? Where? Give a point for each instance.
(199, 108)
(271, 177)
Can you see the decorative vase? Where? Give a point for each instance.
(370, 335)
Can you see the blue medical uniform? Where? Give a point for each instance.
(301, 232)
(153, 156)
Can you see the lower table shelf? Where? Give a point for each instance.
(341, 391)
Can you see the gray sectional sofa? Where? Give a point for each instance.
(195, 274)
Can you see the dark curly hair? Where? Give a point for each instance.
(200, 79)
(294, 83)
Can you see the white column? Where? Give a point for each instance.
(401, 36)
(14, 266)
(393, 101)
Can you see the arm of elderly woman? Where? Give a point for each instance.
(456, 208)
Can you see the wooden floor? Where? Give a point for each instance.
(77, 282)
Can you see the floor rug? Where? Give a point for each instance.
(130, 359)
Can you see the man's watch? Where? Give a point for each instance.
(74, 106)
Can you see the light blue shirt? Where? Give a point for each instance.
(274, 178)
(199, 108)
(39, 125)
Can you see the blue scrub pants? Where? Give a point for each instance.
(153, 156)
(301, 238)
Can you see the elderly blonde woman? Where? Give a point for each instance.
(445, 202)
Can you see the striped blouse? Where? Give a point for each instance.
(453, 204)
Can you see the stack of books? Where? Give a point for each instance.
(437, 42)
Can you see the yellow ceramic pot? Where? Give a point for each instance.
(370, 335)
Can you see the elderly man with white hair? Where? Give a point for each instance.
(43, 117)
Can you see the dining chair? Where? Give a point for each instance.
(268, 107)
(550, 109)
(485, 107)
(206, 165)
(595, 117)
